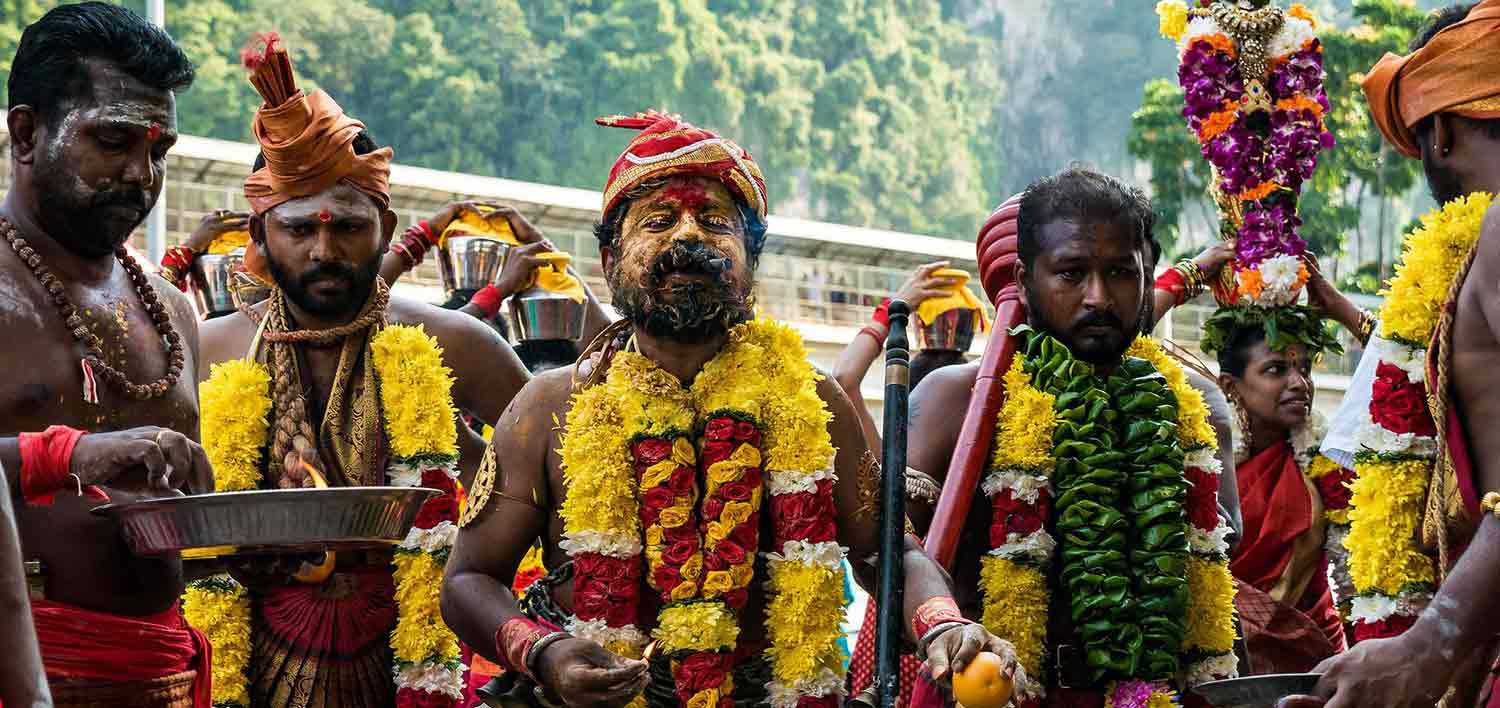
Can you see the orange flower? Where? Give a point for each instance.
(1259, 192)
(1300, 103)
(1300, 11)
(1217, 123)
(1220, 42)
(1251, 283)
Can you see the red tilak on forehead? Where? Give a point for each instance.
(325, 216)
(153, 132)
(689, 194)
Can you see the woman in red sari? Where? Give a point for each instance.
(1293, 501)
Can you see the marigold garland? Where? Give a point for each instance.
(416, 397)
(1392, 574)
(1015, 608)
(631, 472)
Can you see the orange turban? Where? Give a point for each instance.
(669, 147)
(1456, 72)
(307, 140)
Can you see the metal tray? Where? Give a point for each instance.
(269, 521)
(1257, 691)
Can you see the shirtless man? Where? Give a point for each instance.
(680, 239)
(92, 116)
(1446, 116)
(1079, 291)
(321, 222)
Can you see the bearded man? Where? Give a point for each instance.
(698, 485)
(1441, 104)
(355, 385)
(104, 357)
(1086, 248)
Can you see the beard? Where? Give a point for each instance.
(1095, 347)
(684, 311)
(1443, 182)
(358, 283)
(85, 222)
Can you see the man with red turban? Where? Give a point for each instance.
(1441, 104)
(321, 223)
(684, 480)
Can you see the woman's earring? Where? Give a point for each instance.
(1242, 425)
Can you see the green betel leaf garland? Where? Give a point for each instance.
(1120, 521)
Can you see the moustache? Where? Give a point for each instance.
(690, 258)
(133, 198)
(1099, 319)
(327, 271)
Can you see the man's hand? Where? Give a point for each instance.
(582, 673)
(520, 267)
(214, 225)
(171, 461)
(951, 651)
(923, 285)
(1401, 672)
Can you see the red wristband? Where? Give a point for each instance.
(935, 611)
(875, 334)
(427, 234)
(46, 465)
(883, 313)
(1171, 280)
(514, 640)
(488, 299)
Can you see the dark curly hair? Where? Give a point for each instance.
(50, 71)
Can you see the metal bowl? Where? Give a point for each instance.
(470, 262)
(953, 331)
(1257, 691)
(213, 280)
(540, 314)
(269, 521)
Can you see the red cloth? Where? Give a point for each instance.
(309, 617)
(97, 646)
(46, 463)
(862, 662)
(1277, 508)
(669, 147)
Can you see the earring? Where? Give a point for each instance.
(1242, 428)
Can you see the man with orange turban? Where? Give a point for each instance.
(328, 352)
(696, 482)
(1441, 104)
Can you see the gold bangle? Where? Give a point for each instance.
(1491, 503)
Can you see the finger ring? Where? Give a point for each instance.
(159, 433)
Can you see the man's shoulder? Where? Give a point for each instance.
(225, 338)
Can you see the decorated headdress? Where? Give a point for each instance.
(1253, 83)
(670, 147)
(307, 140)
(1454, 72)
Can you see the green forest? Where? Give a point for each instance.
(903, 114)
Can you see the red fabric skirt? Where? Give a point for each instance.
(79, 644)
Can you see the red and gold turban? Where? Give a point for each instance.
(669, 147)
(307, 140)
(1455, 72)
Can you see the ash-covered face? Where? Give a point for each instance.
(679, 268)
(324, 251)
(99, 168)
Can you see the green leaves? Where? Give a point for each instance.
(1284, 326)
(1120, 520)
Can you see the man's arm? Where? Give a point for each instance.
(488, 372)
(22, 681)
(934, 420)
(477, 598)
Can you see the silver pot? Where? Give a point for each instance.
(470, 262)
(212, 276)
(543, 314)
(953, 331)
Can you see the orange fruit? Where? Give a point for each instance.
(983, 683)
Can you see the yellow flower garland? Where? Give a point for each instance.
(1429, 262)
(761, 374)
(1210, 625)
(1389, 569)
(416, 396)
(1016, 608)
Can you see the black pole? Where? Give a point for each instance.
(893, 511)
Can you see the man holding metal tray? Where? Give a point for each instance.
(102, 405)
